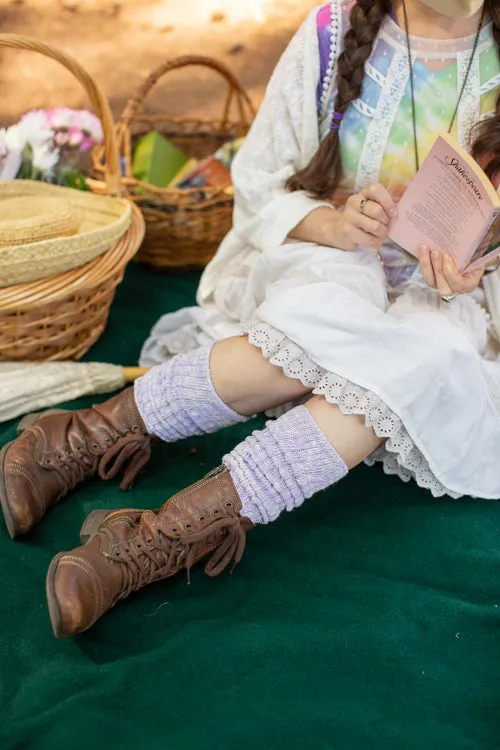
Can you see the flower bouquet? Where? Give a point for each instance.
(48, 145)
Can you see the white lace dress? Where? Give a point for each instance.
(361, 330)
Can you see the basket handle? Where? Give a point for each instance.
(245, 106)
(94, 92)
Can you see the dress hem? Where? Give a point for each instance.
(398, 453)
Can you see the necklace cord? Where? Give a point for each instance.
(412, 80)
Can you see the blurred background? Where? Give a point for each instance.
(120, 41)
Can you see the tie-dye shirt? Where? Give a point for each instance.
(376, 135)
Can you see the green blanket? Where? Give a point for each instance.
(368, 619)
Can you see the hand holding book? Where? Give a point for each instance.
(451, 207)
(440, 272)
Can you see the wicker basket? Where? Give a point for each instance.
(183, 227)
(60, 317)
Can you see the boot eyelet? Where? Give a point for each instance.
(216, 512)
(108, 441)
(189, 526)
(174, 531)
(229, 505)
(201, 519)
(95, 446)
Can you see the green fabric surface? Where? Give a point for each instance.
(369, 618)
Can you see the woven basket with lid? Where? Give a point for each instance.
(183, 227)
(61, 316)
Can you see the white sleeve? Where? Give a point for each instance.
(282, 140)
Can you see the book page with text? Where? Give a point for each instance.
(449, 205)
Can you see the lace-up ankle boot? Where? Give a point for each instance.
(125, 550)
(57, 450)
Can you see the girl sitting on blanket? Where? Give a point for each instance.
(396, 356)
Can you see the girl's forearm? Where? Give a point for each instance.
(318, 226)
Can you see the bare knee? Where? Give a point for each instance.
(246, 381)
(347, 433)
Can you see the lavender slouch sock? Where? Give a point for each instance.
(178, 399)
(277, 468)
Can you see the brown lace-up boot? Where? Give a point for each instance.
(56, 450)
(125, 550)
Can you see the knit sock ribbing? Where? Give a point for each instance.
(277, 468)
(178, 399)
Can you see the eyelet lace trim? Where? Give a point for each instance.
(398, 453)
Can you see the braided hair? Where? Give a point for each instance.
(486, 135)
(323, 174)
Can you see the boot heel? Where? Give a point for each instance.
(30, 419)
(91, 525)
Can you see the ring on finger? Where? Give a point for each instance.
(362, 205)
(448, 297)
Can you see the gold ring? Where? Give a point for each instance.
(362, 205)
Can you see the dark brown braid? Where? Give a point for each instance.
(486, 135)
(323, 174)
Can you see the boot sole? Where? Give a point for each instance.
(25, 423)
(91, 524)
(94, 520)
(54, 611)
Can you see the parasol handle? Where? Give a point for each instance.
(132, 373)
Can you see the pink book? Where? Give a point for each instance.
(450, 206)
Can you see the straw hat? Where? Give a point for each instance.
(26, 220)
(48, 229)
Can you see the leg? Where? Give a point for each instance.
(346, 433)
(300, 454)
(174, 401)
(273, 470)
(247, 382)
(214, 387)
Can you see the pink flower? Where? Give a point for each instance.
(86, 145)
(89, 124)
(60, 118)
(61, 138)
(75, 137)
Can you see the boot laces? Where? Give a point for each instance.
(155, 553)
(134, 448)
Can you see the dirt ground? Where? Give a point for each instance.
(121, 41)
